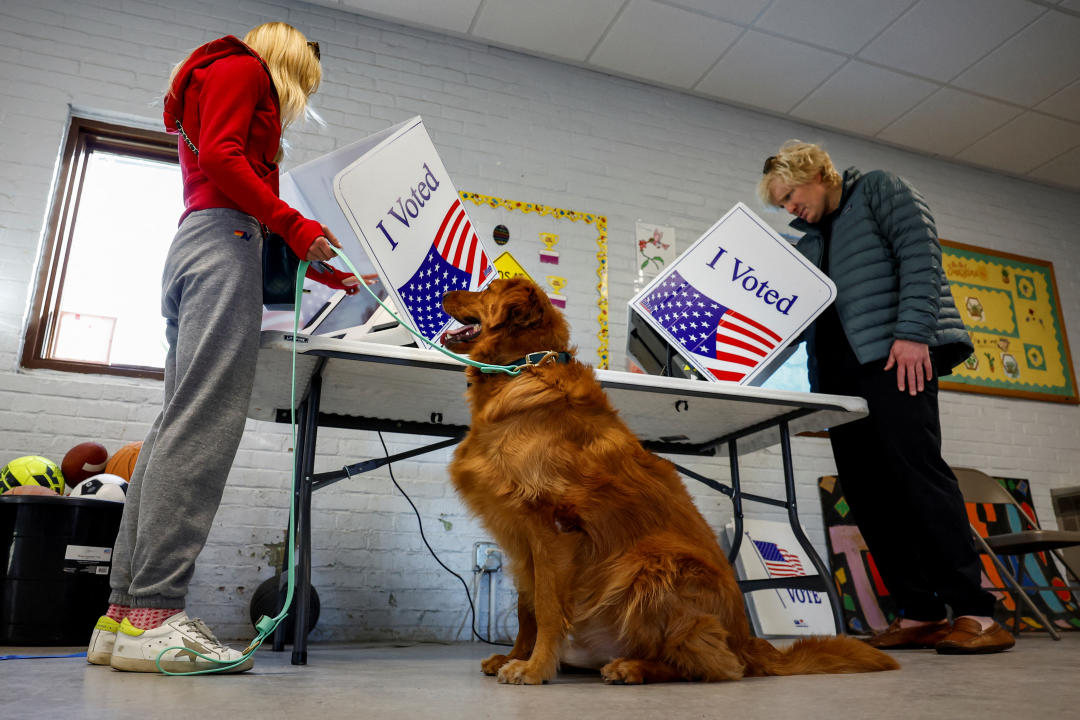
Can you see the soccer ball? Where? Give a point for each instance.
(102, 487)
(32, 470)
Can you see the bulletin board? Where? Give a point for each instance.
(1011, 307)
(563, 251)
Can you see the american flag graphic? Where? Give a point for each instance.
(729, 344)
(455, 261)
(778, 561)
(457, 243)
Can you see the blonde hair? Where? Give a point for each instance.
(294, 68)
(292, 63)
(796, 163)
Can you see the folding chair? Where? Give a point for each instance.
(978, 487)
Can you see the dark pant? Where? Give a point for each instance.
(904, 497)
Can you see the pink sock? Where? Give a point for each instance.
(117, 612)
(150, 618)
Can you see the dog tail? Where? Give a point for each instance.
(816, 655)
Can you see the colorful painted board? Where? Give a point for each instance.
(1010, 304)
(563, 251)
(866, 602)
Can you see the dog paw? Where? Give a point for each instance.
(518, 672)
(492, 664)
(623, 672)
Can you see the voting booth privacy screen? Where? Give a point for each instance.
(727, 308)
(390, 201)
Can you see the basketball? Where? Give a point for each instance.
(83, 461)
(32, 470)
(102, 487)
(30, 490)
(122, 462)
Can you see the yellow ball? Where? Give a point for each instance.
(32, 470)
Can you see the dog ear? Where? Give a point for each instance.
(521, 305)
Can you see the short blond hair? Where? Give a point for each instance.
(797, 163)
(295, 69)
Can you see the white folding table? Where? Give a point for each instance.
(367, 386)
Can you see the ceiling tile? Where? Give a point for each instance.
(941, 38)
(843, 25)
(1065, 103)
(559, 28)
(948, 121)
(1031, 66)
(1025, 143)
(768, 72)
(736, 11)
(862, 98)
(452, 15)
(663, 43)
(1063, 170)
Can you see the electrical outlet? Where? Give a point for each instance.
(488, 557)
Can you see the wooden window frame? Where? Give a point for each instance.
(84, 137)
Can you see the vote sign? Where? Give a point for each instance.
(733, 301)
(769, 550)
(406, 213)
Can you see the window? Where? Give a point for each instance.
(115, 207)
(792, 374)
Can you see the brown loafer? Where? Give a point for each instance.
(895, 637)
(968, 638)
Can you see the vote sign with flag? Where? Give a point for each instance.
(734, 299)
(778, 561)
(769, 550)
(406, 213)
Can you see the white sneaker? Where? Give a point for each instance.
(137, 650)
(101, 641)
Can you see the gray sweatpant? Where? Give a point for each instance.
(212, 302)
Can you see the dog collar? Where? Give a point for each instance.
(538, 358)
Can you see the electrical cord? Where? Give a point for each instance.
(420, 524)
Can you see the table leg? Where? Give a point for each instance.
(793, 517)
(736, 501)
(309, 426)
(286, 561)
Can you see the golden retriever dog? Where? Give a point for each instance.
(615, 567)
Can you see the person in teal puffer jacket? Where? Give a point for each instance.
(892, 331)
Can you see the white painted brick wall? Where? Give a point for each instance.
(507, 125)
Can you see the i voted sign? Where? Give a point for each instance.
(406, 213)
(733, 301)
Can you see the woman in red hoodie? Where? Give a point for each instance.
(229, 101)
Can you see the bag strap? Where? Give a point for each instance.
(195, 151)
(187, 140)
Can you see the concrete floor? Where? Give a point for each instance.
(1039, 678)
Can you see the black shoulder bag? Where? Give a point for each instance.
(279, 262)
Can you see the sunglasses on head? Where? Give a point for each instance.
(315, 49)
(770, 162)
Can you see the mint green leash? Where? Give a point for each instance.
(483, 367)
(267, 625)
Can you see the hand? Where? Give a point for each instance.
(320, 249)
(913, 366)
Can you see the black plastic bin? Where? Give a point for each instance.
(56, 554)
